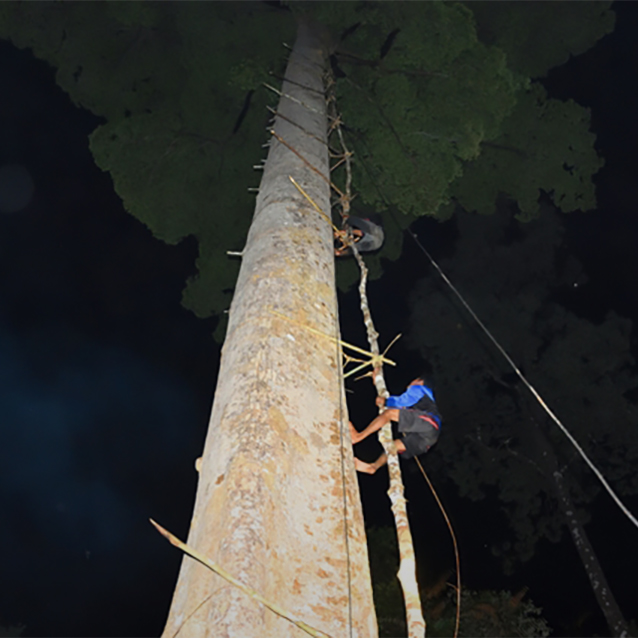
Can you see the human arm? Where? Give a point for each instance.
(385, 417)
(412, 395)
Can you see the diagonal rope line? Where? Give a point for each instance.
(514, 367)
(528, 385)
(407, 566)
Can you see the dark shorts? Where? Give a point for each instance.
(419, 433)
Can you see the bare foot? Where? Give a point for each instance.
(362, 466)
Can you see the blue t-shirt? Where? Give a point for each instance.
(411, 396)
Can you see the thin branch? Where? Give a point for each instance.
(173, 540)
(291, 98)
(377, 359)
(276, 113)
(350, 58)
(312, 202)
(303, 86)
(304, 160)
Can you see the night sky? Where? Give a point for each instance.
(107, 381)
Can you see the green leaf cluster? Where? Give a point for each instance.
(184, 121)
(584, 371)
(423, 110)
(544, 146)
(446, 115)
(538, 36)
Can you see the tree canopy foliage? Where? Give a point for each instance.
(175, 84)
(535, 44)
(436, 98)
(513, 277)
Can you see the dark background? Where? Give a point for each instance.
(107, 381)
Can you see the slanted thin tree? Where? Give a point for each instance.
(498, 433)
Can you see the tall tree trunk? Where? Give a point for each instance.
(548, 463)
(278, 502)
(615, 620)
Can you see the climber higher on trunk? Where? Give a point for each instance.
(367, 234)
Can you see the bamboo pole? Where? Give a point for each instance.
(407, 566)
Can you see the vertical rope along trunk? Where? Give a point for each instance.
(407, 567)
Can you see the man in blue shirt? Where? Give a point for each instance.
(419, 422)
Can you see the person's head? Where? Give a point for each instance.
(425, 378)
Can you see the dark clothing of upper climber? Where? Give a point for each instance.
(368, 236)
(372, 238)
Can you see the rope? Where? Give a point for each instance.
(375, 359)
(341, 389)
(454, 543)
(343, 464)
(528, 385)
(407, 567)
(514, 367)
(337, 337)
(345, 209)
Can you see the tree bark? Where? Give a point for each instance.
(278, 503)
(548, 464)
(606, 601)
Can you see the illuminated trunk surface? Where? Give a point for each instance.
(278, 503)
